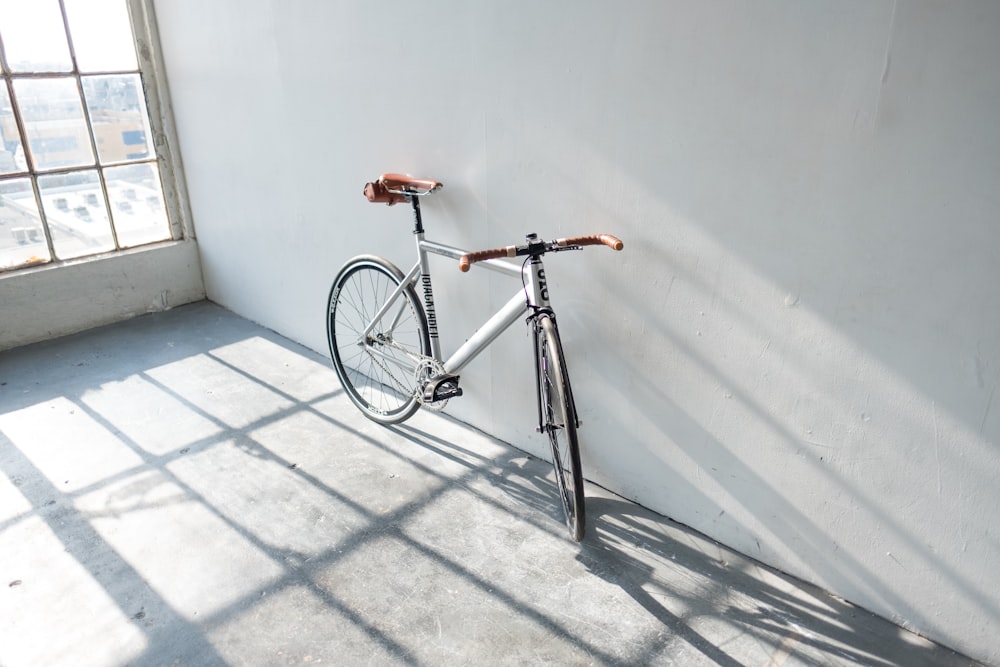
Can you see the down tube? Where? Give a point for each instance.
(487, 333)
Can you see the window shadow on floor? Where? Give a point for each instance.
(190, 488)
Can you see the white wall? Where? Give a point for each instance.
(797, 352)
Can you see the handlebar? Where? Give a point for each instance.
(612, 242)
(536, 248)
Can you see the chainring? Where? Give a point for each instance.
(426, 369)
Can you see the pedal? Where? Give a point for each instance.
(441, 388)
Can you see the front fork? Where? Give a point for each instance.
(544, 417)
(544, 422)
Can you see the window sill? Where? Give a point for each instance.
(55, 299)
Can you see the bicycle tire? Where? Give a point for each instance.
(377, 373)
(559, 422)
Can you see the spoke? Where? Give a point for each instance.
(379, 368)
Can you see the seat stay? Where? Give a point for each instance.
(406, 282)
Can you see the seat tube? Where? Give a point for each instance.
(428, 291)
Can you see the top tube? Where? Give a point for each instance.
(531, 293)
(452, 252)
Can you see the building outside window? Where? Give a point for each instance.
(79, 175)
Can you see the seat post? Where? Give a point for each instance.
(418, 223)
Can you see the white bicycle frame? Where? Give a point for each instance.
(531, 296)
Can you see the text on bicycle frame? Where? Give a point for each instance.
(432, 327)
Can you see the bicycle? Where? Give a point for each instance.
(385, 347)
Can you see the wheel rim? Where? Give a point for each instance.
(557, 414)
(377, 370)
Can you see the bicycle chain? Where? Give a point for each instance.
(421, 371)
(399, 385)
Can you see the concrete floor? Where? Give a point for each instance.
(188, 488)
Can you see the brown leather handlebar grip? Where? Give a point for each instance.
(466, 261)
(612, 242)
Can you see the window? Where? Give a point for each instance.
(78, 171)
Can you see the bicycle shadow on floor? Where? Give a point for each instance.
(521, 483)
(696, 588)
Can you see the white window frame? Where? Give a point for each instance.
(164, 141)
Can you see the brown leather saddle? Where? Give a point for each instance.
(391, 189)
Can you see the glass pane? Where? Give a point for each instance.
(102, 35)
(22, 240)
(76, 212)
(34, 36)
(137, 204)
(11, 152)
(54, 122)
(118, 112)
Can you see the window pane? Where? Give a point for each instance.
(118, 112)
(54, 122)
(34, 36)
(11, 151)
(22, 240)
(102, 35)
(78, 171)
(76, 212)
(137, 204)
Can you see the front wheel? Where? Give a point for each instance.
(376, 360)
(558, 415)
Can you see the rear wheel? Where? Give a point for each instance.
(559, 423)
(377, 369)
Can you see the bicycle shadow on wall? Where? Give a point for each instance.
(795, 371)
(720, 458)
(691, 585)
